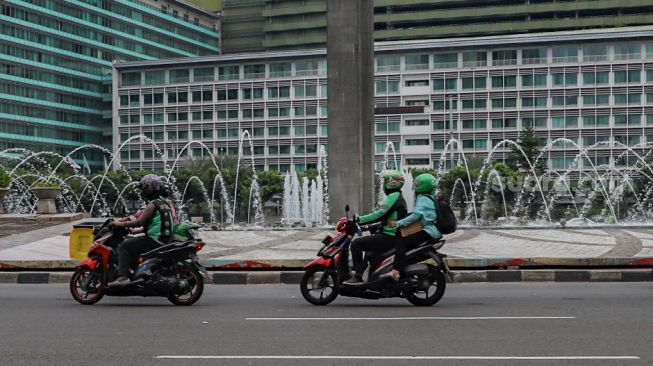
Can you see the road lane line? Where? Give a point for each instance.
(479, 358)
(424, 318)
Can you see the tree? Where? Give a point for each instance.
(448, 181)
(532, 147)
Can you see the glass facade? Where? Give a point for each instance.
(56, 64)
(479, 97)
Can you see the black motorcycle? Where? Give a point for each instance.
(422, 281)
(171, 270)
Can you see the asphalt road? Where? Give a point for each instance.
(474, 324)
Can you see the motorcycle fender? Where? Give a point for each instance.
(90, 263)
(321, 262)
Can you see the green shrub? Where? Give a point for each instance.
(47, 184)
(5, 179)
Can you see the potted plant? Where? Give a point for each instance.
(46, 192)
(5, 181)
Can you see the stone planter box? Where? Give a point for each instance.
(46, 196)
(3, 193)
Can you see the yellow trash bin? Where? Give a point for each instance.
(81, 238)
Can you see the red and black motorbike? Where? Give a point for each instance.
(422, 282)
(171, 270)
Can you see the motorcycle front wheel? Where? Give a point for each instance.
(431, 293)
(193, 292)
(86, 286)
(319, 285)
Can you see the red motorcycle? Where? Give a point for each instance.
(171, 270)
(422, 284)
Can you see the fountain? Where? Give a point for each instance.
(588, 193)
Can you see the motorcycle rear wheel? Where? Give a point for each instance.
(196, 283)
(85, 282)
(431, 296)
(319, 281)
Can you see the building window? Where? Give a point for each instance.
(306, 68)
(564, 54)
(445, 61)
(179, 76)
(533, 56)
(203, 74)
(445, 84)
(476, 82)
(417, 62)
(564, 79)
(156, 77)
(595, 78)
(504, 58)
(254, 71)
(229, 72)
(595, 53)
(388, 87)
(627, 76)
(535, 80)
(504, 81)
(280, 70)
(474, 59)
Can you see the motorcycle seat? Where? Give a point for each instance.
(164, 248)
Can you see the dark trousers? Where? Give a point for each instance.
(376, 243)
(130, 249)
(405, 244)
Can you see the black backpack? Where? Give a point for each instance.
(446, 221)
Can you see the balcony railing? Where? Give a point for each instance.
(445, 65)
(533, 60)
(564, 59)
(595, 58)
(279, 74)
(627, 56)
(476, 63)
(201, 78)
(507, 62)
(410, 67)
(255, 75)
(306, 72)
(229, 77)
(386, 68)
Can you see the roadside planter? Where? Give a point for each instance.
(46, 196)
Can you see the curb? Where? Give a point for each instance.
(454, 263)
(293, 277)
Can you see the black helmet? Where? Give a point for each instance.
(151, 185)
(166, 190)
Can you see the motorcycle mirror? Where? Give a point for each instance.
(347, 208)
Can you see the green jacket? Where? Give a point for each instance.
(386, 213)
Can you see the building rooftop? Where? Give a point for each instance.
(410, 45)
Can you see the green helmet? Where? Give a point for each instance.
(425, 183)
(393, 180)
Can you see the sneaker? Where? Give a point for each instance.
(119, 281)
(354, 280)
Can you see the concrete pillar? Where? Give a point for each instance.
(350, 57)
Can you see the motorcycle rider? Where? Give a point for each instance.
(156, 221)
(426, 212)
(392, 209)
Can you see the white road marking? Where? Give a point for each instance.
(480, 358)
(425, 318)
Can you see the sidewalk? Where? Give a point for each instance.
(47, 248)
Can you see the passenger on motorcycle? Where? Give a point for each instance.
(157, 223)
(392, 209)
(426, 212)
